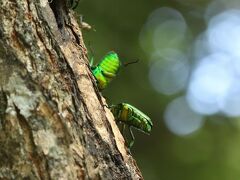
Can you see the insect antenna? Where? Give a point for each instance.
(131, 62)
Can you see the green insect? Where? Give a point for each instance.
(106, 70)
(132, 117)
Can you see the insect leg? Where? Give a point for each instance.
(76, 3)
(92, 54)
(105, 105)
(132, 136)
(91, 62)
(123, 129)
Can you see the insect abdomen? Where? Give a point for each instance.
(106, 70)
(110, 64)
(139, 120)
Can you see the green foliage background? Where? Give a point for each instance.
(211, 153)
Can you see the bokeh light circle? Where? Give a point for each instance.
(169, 71)
(181, 119)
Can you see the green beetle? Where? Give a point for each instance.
(132, 117)
(106, 70)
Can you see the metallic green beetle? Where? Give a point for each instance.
(132, 117)
(106, 70)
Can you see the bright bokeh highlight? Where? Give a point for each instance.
(181, 119)
(214, 81)
(169, 71)
(209, 73)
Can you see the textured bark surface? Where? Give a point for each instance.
(53, 122)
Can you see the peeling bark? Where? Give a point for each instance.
(53, 122)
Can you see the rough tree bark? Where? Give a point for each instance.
(53, 122)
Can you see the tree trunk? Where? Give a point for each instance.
(54, 123)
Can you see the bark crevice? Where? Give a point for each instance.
(38, 160)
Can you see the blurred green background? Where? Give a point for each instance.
(186, 81)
